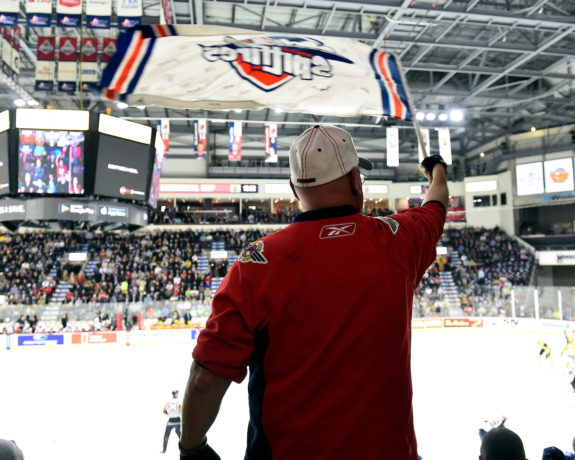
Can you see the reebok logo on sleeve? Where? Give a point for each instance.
(336, 231)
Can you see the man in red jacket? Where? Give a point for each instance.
(320, 312)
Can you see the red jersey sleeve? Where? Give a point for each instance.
(227, 343)
(424, 225)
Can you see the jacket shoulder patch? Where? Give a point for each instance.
(253, 252)
(393, 224)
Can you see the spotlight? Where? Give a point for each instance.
(443, 117)
(430, 116)
(533, 128)
(482, 154)
(19, 102)
(122, 105)
(419, 116)
(456, 115)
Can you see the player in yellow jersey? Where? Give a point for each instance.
(545, 350)
(569, 341)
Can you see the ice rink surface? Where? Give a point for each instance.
(106, 403)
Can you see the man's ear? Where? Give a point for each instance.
(293, 190)
(355, 181)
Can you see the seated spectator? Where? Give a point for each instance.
(501, 444)
(553, 453)
(10, 451)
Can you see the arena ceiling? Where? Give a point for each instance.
(508, 64)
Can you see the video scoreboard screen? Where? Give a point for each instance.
(51, 162)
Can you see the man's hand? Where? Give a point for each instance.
(201, 452)
(429, 163)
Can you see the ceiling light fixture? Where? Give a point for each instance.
(430, 116)
(456, 115)
(122, 105)
(419, 116)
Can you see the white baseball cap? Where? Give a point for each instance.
(323, 154)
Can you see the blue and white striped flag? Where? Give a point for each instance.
(214, 68)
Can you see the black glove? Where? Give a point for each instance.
(202, 452)
(429, 163)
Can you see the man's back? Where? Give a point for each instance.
(322, 317)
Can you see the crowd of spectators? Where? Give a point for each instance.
(154, 266)
(491, 264)
(183, 212)
(26, 263)
(163, 266)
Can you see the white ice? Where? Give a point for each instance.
(106, 403)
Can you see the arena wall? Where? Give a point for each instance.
(12, 342)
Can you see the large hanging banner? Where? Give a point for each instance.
(129, 13)
(109, 47)
(200, 139)
(67, 65)
(392, 139)
(45, 63)
(425, 137)
(38, 13)
(89, 64)
(98, 14)
(444, 144)
(234, 68)
(271, 142)
(235, 144)
(69, 13)
(9, 10)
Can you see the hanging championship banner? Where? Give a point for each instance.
(89, 63)
(38, 13)
(200, 139)
(69, 13)
(164, 130)
(45, 65)
(444, 144)
(98, 14)
(129, 13)
(109, 47)
(241, 69)
(235, 147)
(166, 12)
(9, 10)
(67, 65)
(425, 136)
(7, 50)
(392, 139)
(15, 56)
(271, 142)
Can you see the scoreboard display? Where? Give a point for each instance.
(102, 163)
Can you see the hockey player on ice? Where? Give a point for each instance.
(173, 410)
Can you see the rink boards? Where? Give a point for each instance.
(186, 336)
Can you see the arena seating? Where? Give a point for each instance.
(476, 275)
